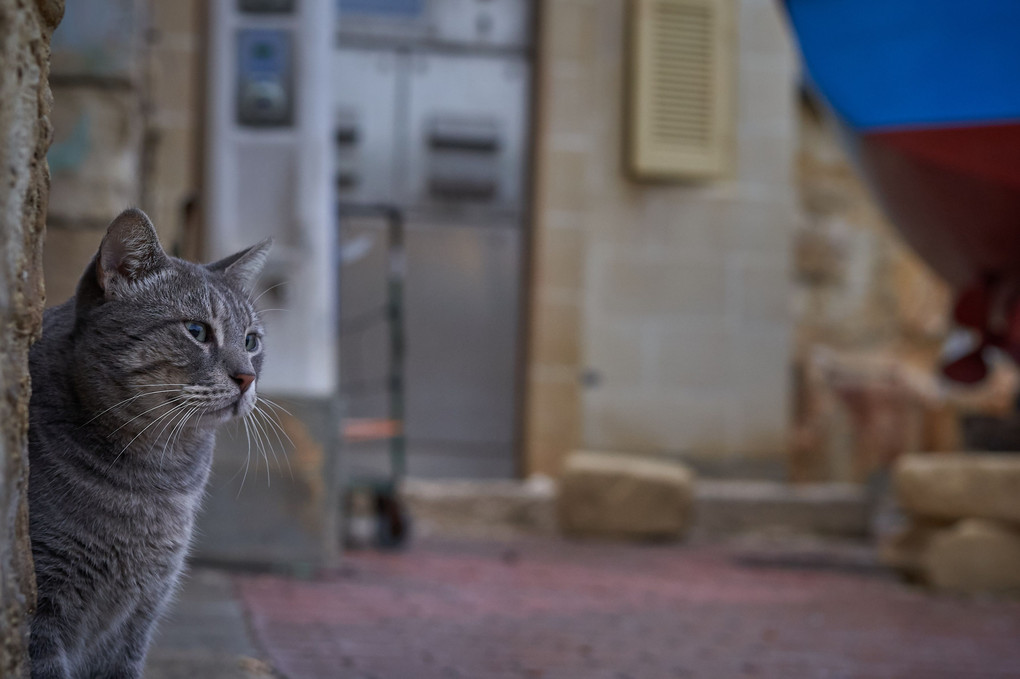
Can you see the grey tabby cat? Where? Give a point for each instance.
(129, 381)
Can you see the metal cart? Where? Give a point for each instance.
(392, 520)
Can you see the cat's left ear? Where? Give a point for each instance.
(243, 268)
(129, 253)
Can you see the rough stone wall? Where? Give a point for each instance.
(25, 29)
(871, 319)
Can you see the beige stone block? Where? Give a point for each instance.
(735, 506)
(760, 357)
(760, 422)
(768, 94)
(174, 166)
(623, 496)
(174, 81)
(560, 258)
(550, 219)
(655, 420)
(958, 486)
(765, 159)
(66, 254)
(762, 289)
(178, 16)
(678, 218)
(666, 285)
(565, 184)
(552, 428)
(480, 508)
(763, 229)
(611, 38)
(614, 221)
(762, 29)
(571, 29)
(95, 157)
(974, 556)
(614, 352)
(608, 136)
(690, 354)
(167, 215)
(569, 100)
(819, 257)
(557, 335)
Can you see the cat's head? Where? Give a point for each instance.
(181, 341)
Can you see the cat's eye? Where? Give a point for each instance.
(200, 331)
(251, 341)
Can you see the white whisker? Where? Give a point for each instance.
(164, 403)
(257, 430)
(136, 396)
(277, 430)
(275, 405)
(155, 421)
(247, 459)
(272, 287)
(156, 439)
(176, 429)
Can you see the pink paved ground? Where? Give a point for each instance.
(559, 610)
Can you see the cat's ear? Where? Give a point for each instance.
(130, 252)
(243, 268)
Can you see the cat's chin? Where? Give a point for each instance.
(233, 411)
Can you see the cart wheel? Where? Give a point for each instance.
(393, 522)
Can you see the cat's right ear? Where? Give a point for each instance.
(129, 254)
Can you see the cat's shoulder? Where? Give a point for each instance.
(49, 354)
(58, 324)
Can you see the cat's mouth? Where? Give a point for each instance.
(228, 411)
(238, 408)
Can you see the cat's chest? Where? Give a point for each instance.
(149, 515)
(137, 523)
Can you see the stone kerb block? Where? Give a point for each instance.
(614, 495)
(960, 486)
(964, 534)
(975, 555)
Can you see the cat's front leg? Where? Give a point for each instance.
(47, 654)
(127, 659)
(131, 671)
(131, 665)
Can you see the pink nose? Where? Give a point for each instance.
(243, 380)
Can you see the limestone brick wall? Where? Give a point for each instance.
(25, 29)
(660, 312)
(125, 87)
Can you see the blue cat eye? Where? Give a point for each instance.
(200, 331)
(251, 341)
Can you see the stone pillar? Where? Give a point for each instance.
(25, 29)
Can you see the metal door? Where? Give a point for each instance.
(442, 137)
(369, 128)
(462, 297)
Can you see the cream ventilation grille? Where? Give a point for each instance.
(680, 114)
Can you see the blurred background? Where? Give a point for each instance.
(522, 248)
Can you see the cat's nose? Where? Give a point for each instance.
(243, 380)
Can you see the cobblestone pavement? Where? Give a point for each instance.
(558, 610)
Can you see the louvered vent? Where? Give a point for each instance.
(680, 101)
